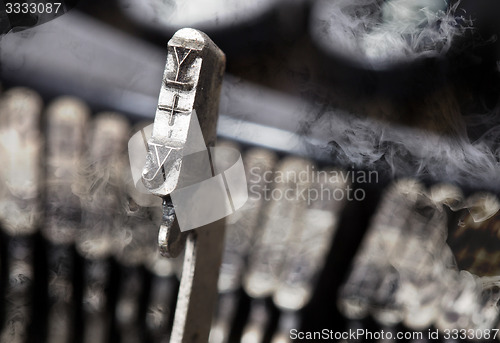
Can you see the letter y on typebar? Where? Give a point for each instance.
(190, 89)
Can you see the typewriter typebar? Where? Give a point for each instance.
(104, 279)
(190, 88)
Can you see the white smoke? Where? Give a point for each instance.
(363, 142)
(435, 143)
(379, 33)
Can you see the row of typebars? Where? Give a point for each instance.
(80, 263)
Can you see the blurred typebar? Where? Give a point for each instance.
(318, 245)
(21, 154)
(422, 263)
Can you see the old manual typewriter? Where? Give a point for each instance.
(249, 171)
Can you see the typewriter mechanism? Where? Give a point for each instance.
(257, 172)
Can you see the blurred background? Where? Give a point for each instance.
(397, 98)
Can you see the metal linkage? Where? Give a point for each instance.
(191, 84)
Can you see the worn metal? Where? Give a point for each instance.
(171, 240)
(191, 82)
